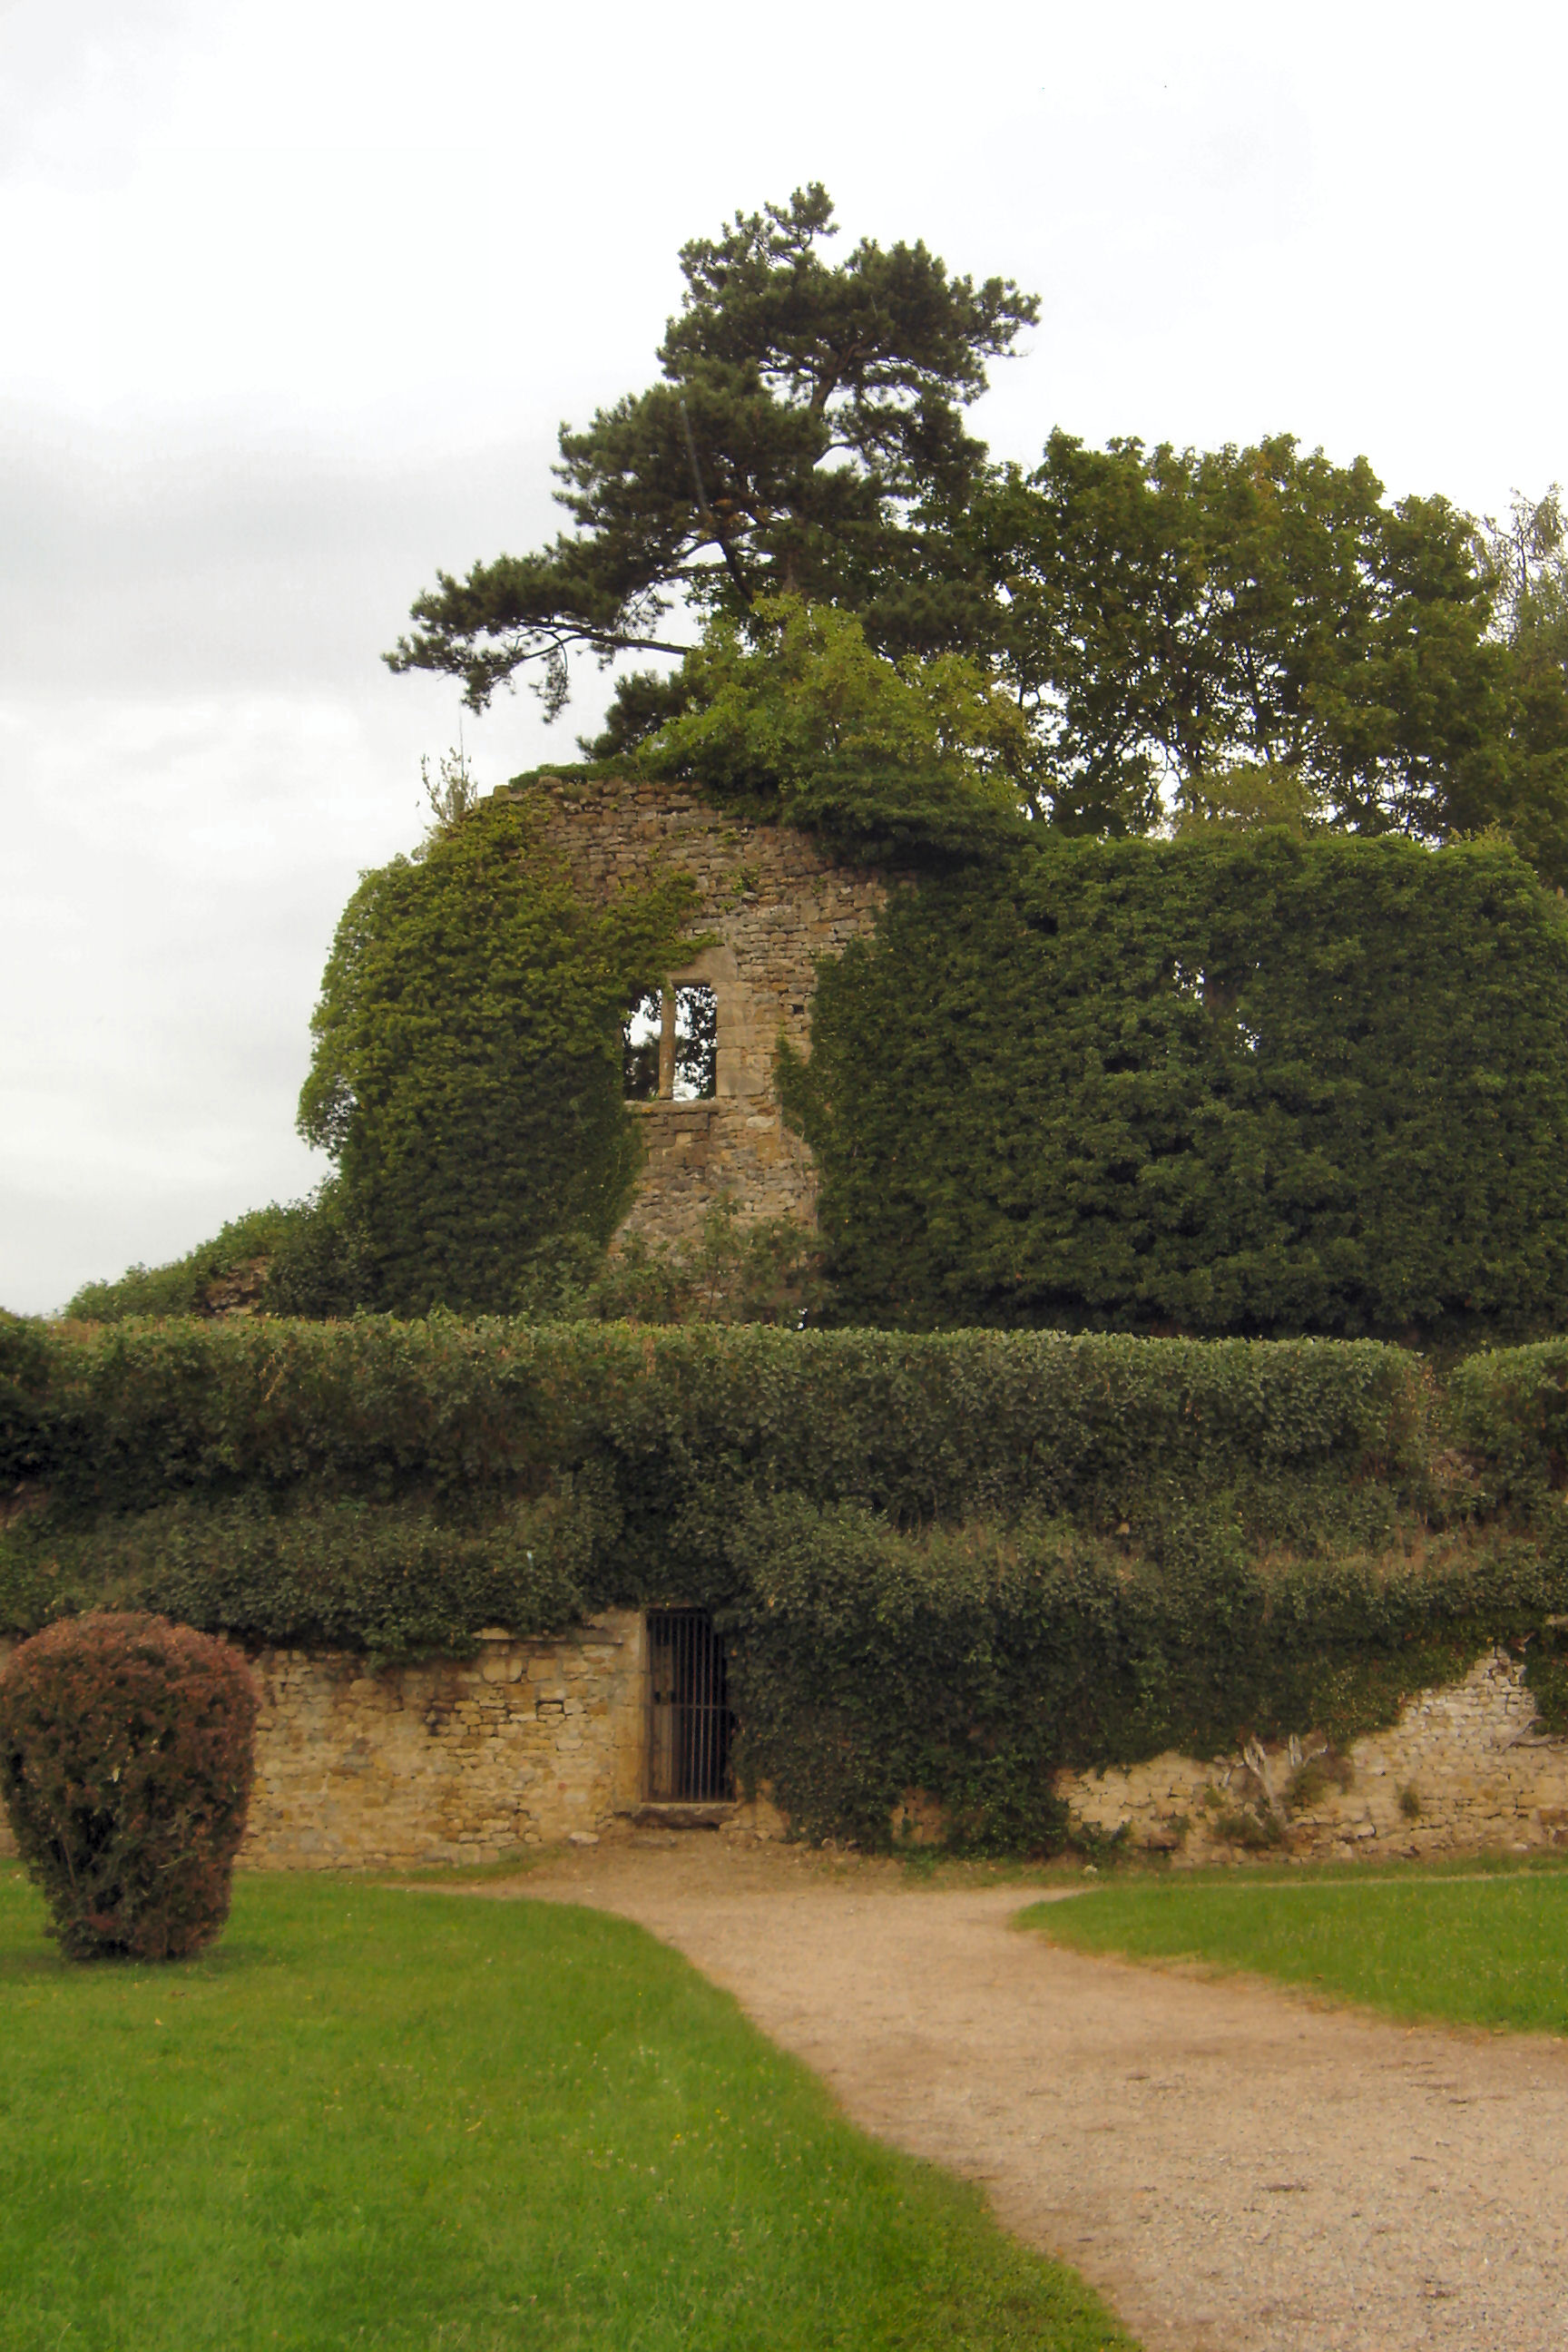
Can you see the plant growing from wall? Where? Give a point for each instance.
(1227, 1084)
(767, 1272)
(467, 1074)
(796, 718)
(125, 1769)
(229, 1272)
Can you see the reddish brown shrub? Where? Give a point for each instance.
(125, 1766)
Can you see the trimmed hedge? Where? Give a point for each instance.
(946, 1427)
(1509, 1413)
(1222, 1085)
(318, 1571)
(949, 1562)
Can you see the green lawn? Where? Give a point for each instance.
(1415, 1943)
(381, 2118)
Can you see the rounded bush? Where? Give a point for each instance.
(125, 1767)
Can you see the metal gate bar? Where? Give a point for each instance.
(688, 1717)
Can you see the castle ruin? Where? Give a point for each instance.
(773, 905)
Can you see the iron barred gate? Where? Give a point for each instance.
(689, 1721)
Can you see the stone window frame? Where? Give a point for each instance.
(715, 970)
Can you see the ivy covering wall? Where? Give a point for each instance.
(1224, 1084)
(951, 1563)
(466, 1076)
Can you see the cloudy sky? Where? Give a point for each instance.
(294, 296)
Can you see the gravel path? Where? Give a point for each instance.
(1237, 2170)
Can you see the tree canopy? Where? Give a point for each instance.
(795, 716)
(1169, 616)
(807, 436)
(1249, 636)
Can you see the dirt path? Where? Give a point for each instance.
(1236, 2170)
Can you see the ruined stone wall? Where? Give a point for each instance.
(774, 905)
(1463, 1770)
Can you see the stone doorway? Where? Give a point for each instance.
(690, 1720)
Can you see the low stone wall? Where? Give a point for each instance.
(451, 1761)
(448, 1762)
(1463, 1770)
(529, 1743)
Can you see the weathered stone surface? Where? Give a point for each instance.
(774, 906)
(540, 1742)
(1462, 1770)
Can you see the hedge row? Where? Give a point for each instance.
(125, 1416)
(316, 1571)
(969, 1662)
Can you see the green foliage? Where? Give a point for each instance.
(397, 1579)
(680, 1426)
(1161, 621)
(796, 718)
(969, 1664)
(125, 1769)
(769, 1271)
(950, 1563)
(1173, 615)
(324, 1262)
(1243, 1084)
(807, 436)
(1523, 785)
(1509, 1413)
(228, 1271)
(467, 1074)
(1248, 798)
(24, 1384)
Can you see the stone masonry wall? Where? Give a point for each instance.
(1464, 1770)
(449, 1761)
(532, 1742)
(774, 904)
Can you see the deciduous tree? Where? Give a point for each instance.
(1173, 615)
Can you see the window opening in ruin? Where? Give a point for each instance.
(640, 1036)
(670, 1043)
(690, 1723)
(695, 1041)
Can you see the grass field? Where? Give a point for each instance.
(1417, 1943)
(405, 2120)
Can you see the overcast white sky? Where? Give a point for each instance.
(294, 295)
